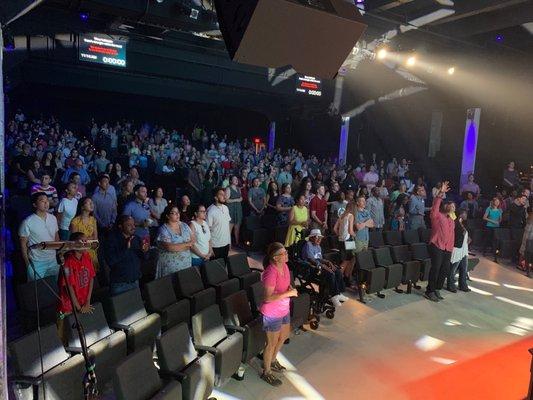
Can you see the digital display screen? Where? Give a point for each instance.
(309, 85)
(102, 49)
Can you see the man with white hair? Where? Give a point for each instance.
(312, 253)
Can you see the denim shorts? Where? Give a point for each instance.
(273, 324)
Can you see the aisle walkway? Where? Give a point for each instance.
(470, 346)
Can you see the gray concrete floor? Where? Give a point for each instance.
(376, 350)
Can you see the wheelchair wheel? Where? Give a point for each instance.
(330, 314)
(313, 325)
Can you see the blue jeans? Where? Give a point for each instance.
(197, 262)
(121, 287)
(462, 267)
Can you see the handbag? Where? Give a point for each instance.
(349, 244)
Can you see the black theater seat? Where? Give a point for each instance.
(210, 334)
(188, 284)
(239, 268)
(237, 314)
(62, 377)
(179, 360)
(393, 271)
(160, 298)
(107, 346)
(136, 378)
(215, 275)
(370, 275)
(126, 312)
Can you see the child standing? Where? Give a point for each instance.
(78, 280)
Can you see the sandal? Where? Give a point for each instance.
(271, 379)
(277, 367)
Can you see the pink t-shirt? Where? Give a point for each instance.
(280, 282)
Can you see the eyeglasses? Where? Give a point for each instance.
(281, 253)
(174, 213)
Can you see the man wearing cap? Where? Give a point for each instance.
(312, 253)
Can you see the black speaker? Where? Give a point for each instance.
(313, 36)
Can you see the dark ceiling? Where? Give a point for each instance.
(475, 24)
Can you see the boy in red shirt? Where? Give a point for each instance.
(78, 279)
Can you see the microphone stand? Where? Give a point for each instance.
(90, 388)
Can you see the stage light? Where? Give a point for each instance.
(451, 70)
(84, 16)
(382, 53)
(257, 141)
(499, 38)
(194, 13)
(411, 61)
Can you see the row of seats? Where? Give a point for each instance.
(218, 306)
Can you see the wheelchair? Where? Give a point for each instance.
(312, 280)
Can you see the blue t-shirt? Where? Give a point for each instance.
(360, 217)
(495, 214)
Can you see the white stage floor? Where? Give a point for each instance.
(405, 347)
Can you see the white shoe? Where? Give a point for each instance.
(342, 298)
(335, 301)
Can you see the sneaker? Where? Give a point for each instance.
(432, 297)
(277, 367)
(437, 293)
(343, 298)
(271, 379)
(336, 302)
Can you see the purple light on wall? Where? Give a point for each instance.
(272, 136)
(343, 145)
(470, 143)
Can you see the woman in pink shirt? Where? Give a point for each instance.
(275, 309)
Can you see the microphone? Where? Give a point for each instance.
(67, 245)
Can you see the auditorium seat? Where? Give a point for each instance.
(411, 237)
(210, 334)
(239, 268)
(160, 298)
(255, 236)
(63, 375)
(411, 268)
(46, 301)
(237, 314)
(420, 253)
(188, 284)
(107, 346)
(126, 312)
(375, 239)
(393, 238)
(215, 275)
(300, 306)
(393, 271)
(370, 275)
(280, 233)
(256, 294)
(179, 360)
(136, 378)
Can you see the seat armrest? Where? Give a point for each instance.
(176, 375)
(209, 349)
(365, 269)
(256, 270)
(381, 265)
(26, 380)
(119, 327)
(234, 328)
(75, 350)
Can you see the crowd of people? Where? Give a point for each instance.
(185, 196)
